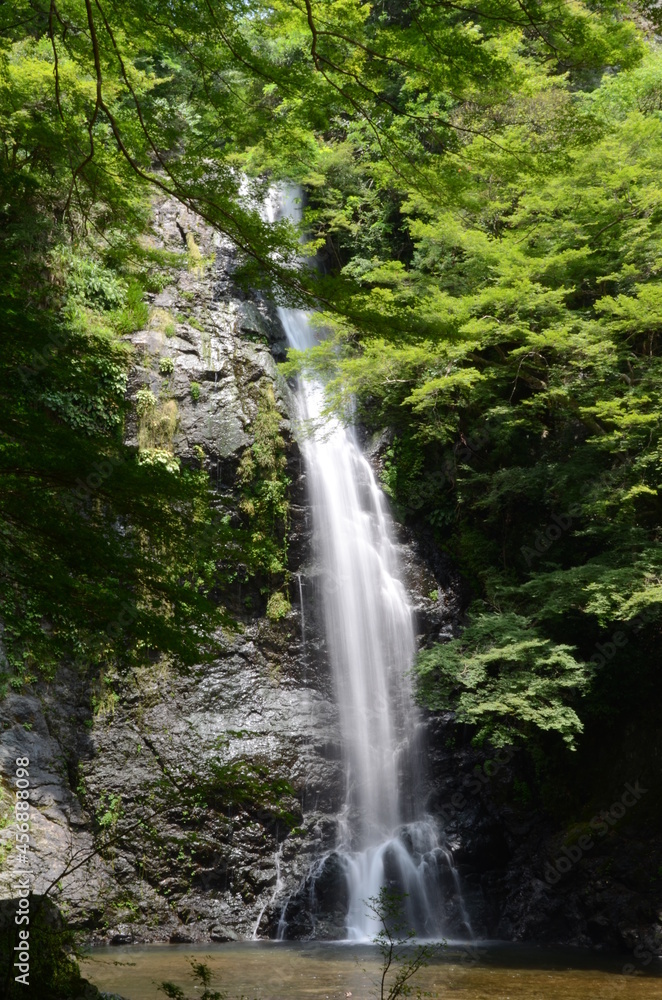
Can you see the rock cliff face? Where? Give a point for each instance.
(120, 755)
(590, 878)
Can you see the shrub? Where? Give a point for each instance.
(145, 401)
(278, 606)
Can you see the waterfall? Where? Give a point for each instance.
(384, 837)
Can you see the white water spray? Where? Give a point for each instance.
(369, 626)
(278, 888)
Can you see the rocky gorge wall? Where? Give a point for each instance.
(99, 748)
(114, 758)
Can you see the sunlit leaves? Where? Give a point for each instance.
(506, 679)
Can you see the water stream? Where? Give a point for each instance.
(384, 836)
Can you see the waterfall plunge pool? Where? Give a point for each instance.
(335, 970)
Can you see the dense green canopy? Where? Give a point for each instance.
(483, 196)
(523, 386)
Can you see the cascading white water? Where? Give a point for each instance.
(370, 637)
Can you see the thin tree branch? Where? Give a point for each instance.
(56, 67)
(97, 104)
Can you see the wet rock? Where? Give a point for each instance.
(121, 935)
(221, 933)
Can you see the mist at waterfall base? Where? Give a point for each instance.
(384, 837)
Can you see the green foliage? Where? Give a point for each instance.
(504, 678)
(86, 281)
(264, 504)
(200, 973)
(134, 314)
(95, 561)
(145, 401)
(166, 366)
(102, 100)
(195, 391)
(278, 606)
(508, 334)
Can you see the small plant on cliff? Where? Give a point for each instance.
(195, 391)
(111, 811)
(157, 422)
(166, 366)
(277, 606)
(163, 320)
(264, 486)
(145, 401)
(135, 313)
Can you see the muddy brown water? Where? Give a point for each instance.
(279, 971)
